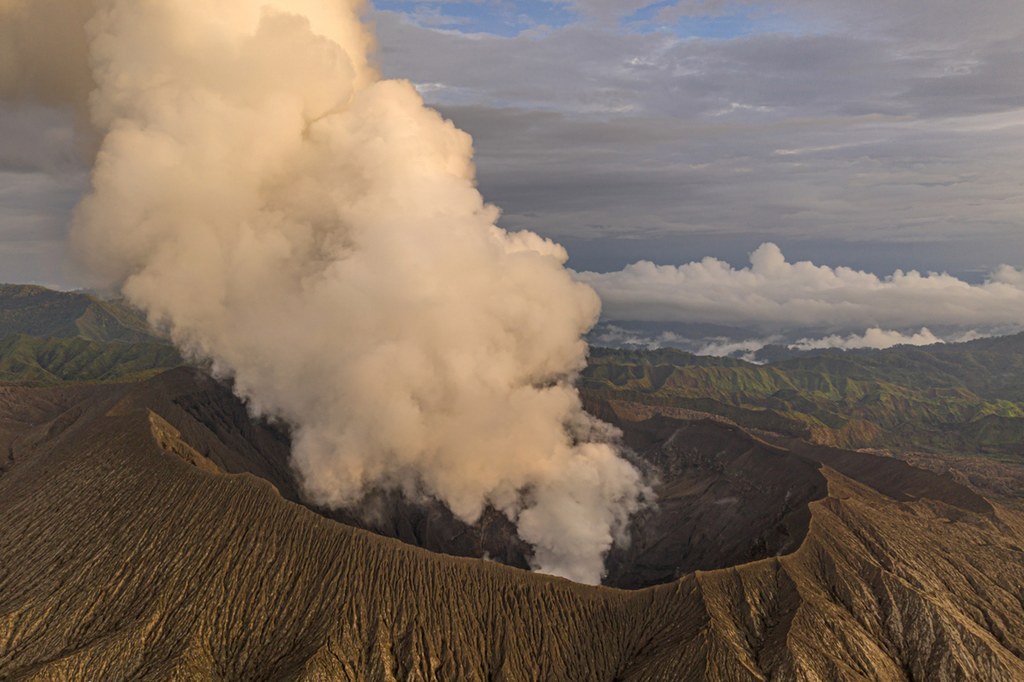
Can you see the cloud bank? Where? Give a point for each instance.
(773, 294)
(875, 337)
(748, 349)
(317, 232)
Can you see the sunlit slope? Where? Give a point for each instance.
(36, 311)
(958, 398)
(31, 360)
(51, 337)
(126, 553)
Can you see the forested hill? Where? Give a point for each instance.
(51, 337)
(965, 398)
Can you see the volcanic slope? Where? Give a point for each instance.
(126, 553)
(724, 497)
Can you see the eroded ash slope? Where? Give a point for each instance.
(129, 552)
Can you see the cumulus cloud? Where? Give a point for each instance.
(775, 294)
(317, 232)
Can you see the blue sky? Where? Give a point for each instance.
(484, 16)
(503, 18)
(730, 22)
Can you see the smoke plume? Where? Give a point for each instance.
(316, 232)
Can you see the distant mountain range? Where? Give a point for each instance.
(152, 529)
(965, 398)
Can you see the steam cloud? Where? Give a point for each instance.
(317, 233)
(773, 294)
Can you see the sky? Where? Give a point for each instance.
(877, 134)
(883, 136)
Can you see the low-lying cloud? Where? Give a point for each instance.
(872, 338)
(749, 349)
(774, 295)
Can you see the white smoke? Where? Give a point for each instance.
(317, 233)
(773, 294)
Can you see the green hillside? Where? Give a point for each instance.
(31, 360)
(36, 311)
(962, 398)
(49, 337)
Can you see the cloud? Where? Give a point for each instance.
(775, 294)
(608, 10)
(37, 139)
(746, 349)
(852, 129)
(875, 337)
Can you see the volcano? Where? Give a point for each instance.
(153, 530)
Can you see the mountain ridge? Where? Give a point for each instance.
(947, 399)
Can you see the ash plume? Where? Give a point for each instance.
(317, 233)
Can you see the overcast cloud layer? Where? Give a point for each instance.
(881, 135)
